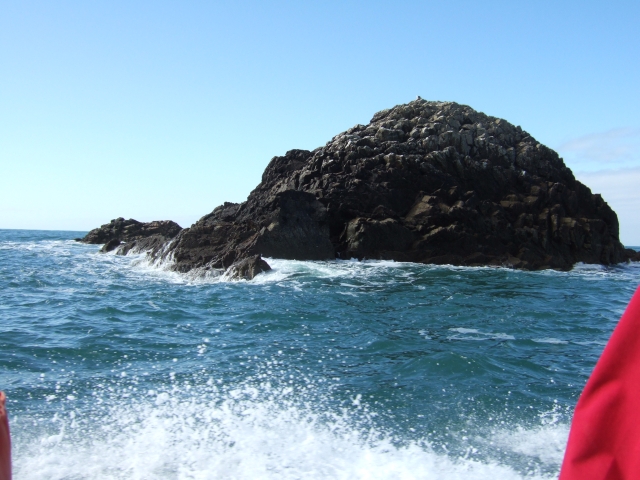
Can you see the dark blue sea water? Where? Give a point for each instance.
(118, 369)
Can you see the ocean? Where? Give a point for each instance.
(119, 369)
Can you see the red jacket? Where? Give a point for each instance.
(604, 442)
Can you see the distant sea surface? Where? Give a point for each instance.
(118, 369)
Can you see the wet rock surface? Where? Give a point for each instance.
(129, 230)
(110, 245)
(429, 182)
(247, 269)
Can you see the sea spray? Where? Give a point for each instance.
(256, 430)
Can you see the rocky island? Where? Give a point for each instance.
(427, 182)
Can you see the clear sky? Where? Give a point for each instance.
(164, 110)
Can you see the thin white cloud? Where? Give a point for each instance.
(618, 148)
(621, 190)
(609, 163)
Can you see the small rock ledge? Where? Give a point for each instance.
(131, 235)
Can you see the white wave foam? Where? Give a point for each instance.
(285, 269)
(425, 334)
(54, 247)
(551, 340)
(242, 433)
(474, 334)
(349, 270)
(601, 343)
(139, 263)
(545, 443)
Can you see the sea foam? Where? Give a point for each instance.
(250, 432)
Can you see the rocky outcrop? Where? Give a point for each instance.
(110, 245)
(633, 255)
(127, 235)
(429, 182)
(247, 269)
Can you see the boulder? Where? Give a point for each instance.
(247, 268)
(110, 245)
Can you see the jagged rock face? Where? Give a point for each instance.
(282, 224)
(427, 182)
(121, 230)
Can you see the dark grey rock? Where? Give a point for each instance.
(247, 268)
(110, 245)
(633, 255)
(153, 244)
(129, 230)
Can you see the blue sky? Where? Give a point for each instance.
(163, 110)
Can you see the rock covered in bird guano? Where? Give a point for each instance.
(428, 182)
(132, 235)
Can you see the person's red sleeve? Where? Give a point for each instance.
(604, 442)
(5, 442)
